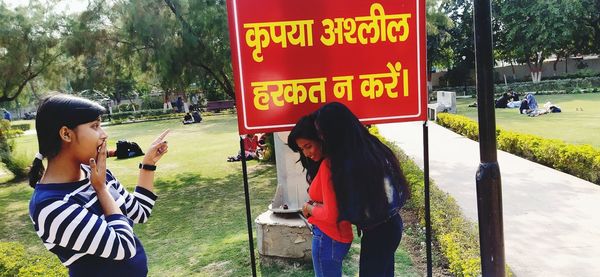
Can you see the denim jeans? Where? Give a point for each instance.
(327, 254)
(378, 246)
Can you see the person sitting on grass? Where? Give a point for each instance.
(196, 116)
(250, 146)
(187, 119)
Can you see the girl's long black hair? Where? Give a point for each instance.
(359, 163)
(305, 128)
(53, 113)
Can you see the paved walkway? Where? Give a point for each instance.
(551, 219)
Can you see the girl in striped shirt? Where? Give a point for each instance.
(79, 209)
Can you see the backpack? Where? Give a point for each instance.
(127, 149)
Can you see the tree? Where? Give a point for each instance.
(534, 29)
(28, 46)
(186, 41)
(462, 58)
(439, 52)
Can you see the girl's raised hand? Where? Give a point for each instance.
(98, 168)
(157, 149)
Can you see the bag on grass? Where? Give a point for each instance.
(128, 149)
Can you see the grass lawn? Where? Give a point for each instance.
(198, 226)
(571, 125)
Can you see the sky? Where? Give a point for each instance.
(68, 6)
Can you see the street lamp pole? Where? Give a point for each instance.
(465, 78)
(488, 181)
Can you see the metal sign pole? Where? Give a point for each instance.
(489, 185)
(248, 214)
(427, 198)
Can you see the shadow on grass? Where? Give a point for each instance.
(198, 225)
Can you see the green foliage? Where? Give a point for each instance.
(152, 103)
(17, 164)
(15, 261)
(130, 115)
(128, 107)
(28, 46)
(457, 236)
(23, 127)
(582, 161)
(547, 86)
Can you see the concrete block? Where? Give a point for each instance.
(283, 236)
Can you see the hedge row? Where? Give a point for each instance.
(15, 261)
(457, 237)
(23, 127)
(562, 86)
(582, 161)
(135, 115)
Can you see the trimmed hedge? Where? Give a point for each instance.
(562, 86)
(135, 115)
(458, 237)
(22, 127)
(15, 261)
(582, 161)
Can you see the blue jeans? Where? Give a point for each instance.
(378, 246)
(327, 254)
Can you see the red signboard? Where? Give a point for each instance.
(291, 57)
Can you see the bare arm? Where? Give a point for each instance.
(157, 149)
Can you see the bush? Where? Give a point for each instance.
(19, 164)
(584, 84)
(582, 161)
(151, 103)
(23, 127)
(13, 133)
(15, 261)
(128, 107)
(124, 116)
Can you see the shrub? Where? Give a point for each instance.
(13, 133)
(15, 261)
(583, 83)
(582, 161)
(128, 107)
(23, 127)
(124, 116)
(18, 164)
(150, 103)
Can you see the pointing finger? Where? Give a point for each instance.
(162, 136)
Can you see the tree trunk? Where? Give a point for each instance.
(555, 63)
(514, 73)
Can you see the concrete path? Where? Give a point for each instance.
(551, 219)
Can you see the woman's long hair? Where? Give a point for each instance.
(359, 163)
(305, 128)
(53, 113)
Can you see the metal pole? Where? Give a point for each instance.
(489, 185)
(248, 215)
(427, 202)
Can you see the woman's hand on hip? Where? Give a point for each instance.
(157, 149)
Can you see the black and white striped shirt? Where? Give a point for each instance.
(69, 219)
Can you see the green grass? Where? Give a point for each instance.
(198, 226)
(571, 125)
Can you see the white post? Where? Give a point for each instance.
(291, 180)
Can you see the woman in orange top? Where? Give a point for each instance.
(331, 238)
